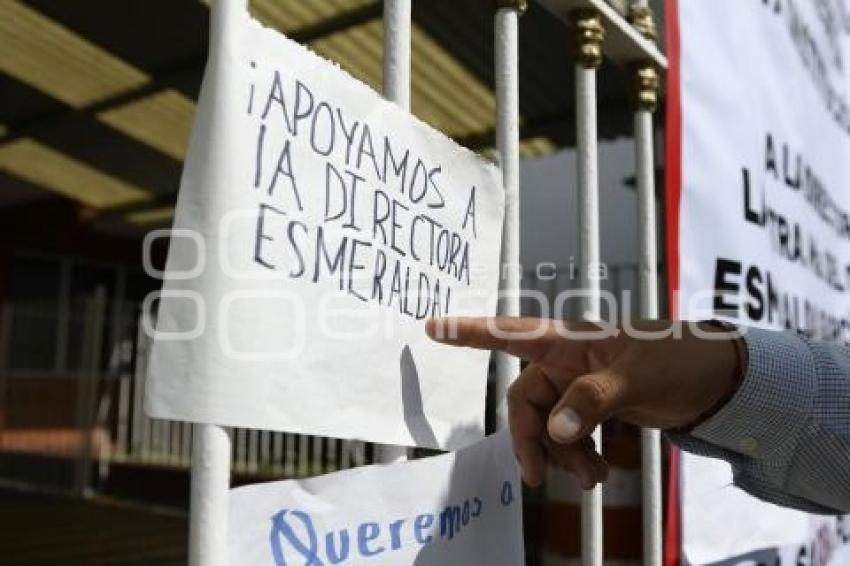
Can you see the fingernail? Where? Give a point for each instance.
(564, 426)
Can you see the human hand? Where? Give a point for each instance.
(658, 374)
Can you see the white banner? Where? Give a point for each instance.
(724, 525)
(458, 508)
(317, 227)
(763, 226)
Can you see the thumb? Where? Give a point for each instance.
(587, 402)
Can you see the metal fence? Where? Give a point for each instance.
(110, 424)
(104, 423)
(629, 41)
(138, 438)
(108, 394)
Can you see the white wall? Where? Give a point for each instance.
(549, 216)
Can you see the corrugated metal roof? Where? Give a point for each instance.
(109, 87)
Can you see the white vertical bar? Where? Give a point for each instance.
(117, 331)
(588, 191)
(332, 465)
(123, 417)
(588, 209)
(648, 283)
(146, 450)
(63, 321)
(277, 452)
(316, 465)
(154, 438)
(345, 455)
(209, 496)
(647, 280)
(240, 458)
(165, 441)
(186, 445)
(303, 455)
(140, 421)
(87, 387)
(291, 456)
(105, 449)
(396, 79)
(507, 139)
(176, 430)
(211, 446)
(265, 449)
(253, 450)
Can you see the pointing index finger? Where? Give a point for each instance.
(527, 338)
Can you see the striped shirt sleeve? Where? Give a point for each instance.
(786, 431)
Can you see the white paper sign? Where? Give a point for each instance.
(458, 508)
(763, 226)
(317, 227)
(760, 533)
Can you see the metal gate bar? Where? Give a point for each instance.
(209, 507)
(589, 37)
(506, 29)
(396, 87)
(646, 101)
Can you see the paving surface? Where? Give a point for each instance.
(46, 530)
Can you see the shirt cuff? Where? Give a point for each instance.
(774, 402)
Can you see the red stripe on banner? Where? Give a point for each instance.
(673, 189)
(673, 157)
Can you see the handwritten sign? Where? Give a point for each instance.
(459, 508)
(317, 227)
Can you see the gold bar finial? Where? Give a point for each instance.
(647, 86)
(590, 34)
(643, 20)
(647, 79)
